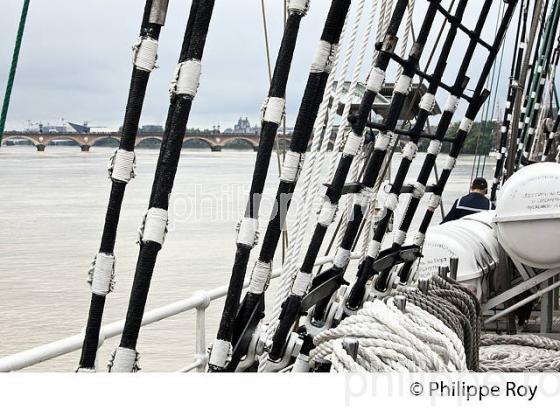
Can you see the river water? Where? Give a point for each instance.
(51, 214)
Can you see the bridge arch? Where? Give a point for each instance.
(148, 142)
(49, 140)
(209, 143)
(235, 141)
(19, 137)
(108, 141)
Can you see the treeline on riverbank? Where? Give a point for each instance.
(481, 140)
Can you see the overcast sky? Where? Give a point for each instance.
(75, 61)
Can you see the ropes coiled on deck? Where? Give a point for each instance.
(519, 353)
(436, 331)
(393, 341)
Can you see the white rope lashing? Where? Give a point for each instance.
(186, 78)
(248, 232)
(260, 278)
(299, 6)
(291, 166)
(122, 165)
(154, 226)
(324, 57)
(144, 54)
(102, 274)
(123, 360)
(273, 110)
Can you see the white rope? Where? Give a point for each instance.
(390, 340)
(406, 35)
(124, 360)
(273, 110)
(353, 174)
(519, 353)
(144, 54)
(324, 57)
(122, 165)
(434, 331)
(154, 226)
(299, 6)
(291, 166)
(248, 232)
(186, 79)
(260, 277)
(102, 274)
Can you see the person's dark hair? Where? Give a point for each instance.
(479, 183)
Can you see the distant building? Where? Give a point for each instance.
(50, 129)
(243, 126)
(151, 128)
(81, 129)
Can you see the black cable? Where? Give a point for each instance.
(269, 129)
(180, 106)
(152, 22)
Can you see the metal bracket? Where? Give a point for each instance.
(246, 338)
(158, 13)
(324, 289)
(293, 347)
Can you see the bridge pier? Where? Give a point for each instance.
(255, 148)
(216, 148)
(85, 148)
(40, 147)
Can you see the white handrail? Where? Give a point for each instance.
(200, 300)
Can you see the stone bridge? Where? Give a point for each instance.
(215, 141)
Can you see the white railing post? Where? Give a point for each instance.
(201, 355)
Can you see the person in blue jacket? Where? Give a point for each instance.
(474, 202)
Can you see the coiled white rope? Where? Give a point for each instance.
(519, 353)
(390, 340)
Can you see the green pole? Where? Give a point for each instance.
(13, 68)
